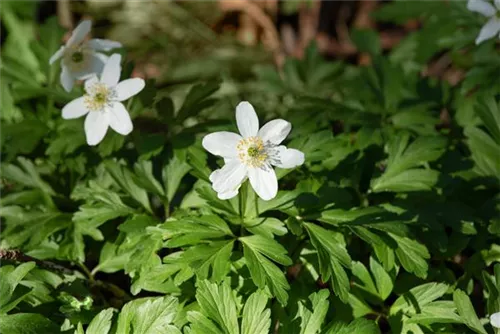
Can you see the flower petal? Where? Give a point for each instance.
(58, 54)
(103, 44)
(495, 320)
(111, 71)
(228, 194)
(78, 35)
(92, 80)
(95, 67)
(67, 80)
(490, 29)
(275, 131)
(128, 88)
(264, 182)
(246, 119)
(96, 125)
(288, 157)
(482, 7)
(75, 109)
(222, 143)
(119, 118)
(230, 177)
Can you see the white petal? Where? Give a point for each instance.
(222, 143)
(264, 182)
(228, 195)
(90, 82)
(111, 72)
(119, 119)
(67, 80)
(103, 44)
(95, 67)
(495, 320)
(275, 131)
(288, 157)
(74, 109)
(58, 54)
(246, 119)
(80, 32)
(481, 7)
(490, 29)
(230, 177)
(128, 88)
(96, 125)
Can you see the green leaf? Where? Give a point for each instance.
(265, 273)
(219, 304)
(144, 171)
(173, 173)
(414, 300)
(312, 320)
(359, 325)
(148, 316)
(401, 173)
(256, 318)
(101, 324)
(265, 226)
(200, 324)
(332, 257)
(190, 231)
(436, 312)
(197, 99)
(412, 255)
(124, 178)
(26, 323)
(215, 255)
(268, 247)
(382, 279)
(10, 295)
(366, 41)
(467, 312)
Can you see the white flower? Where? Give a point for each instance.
(80, 58)
(251, 154)
(495, 320)
(102, 102)
(492, 27)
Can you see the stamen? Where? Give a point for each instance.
(252, 152)
(98, 97)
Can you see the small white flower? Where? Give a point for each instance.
(492, 27)
(102, 102)
(80, 58)
(251, 154)
(495, 320)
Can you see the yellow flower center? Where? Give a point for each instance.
(98, 96)
(252, 152)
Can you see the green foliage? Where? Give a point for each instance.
(390, 226)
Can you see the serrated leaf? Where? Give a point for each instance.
(256, 318)
(418, 297)
(173, 173)
(26, 323)
(101, 324)
(332, 257)
(266, 274)
(11, 277)
(412, 255)
(148, 316)
(219, 304)
(312, 320)
(467, 312)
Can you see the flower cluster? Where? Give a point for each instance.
(103, 93)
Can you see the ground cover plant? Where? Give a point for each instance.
(241, 175)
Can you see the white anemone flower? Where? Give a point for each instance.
(492, 27)
(102, 102)
(80, 58)
(251, 155)
(495, 320)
